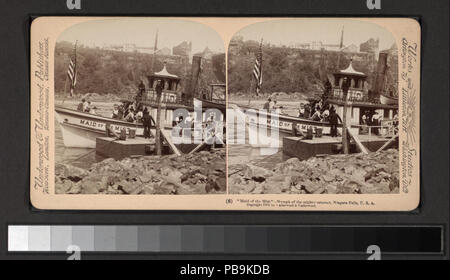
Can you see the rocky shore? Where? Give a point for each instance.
(200, 173)
(375, 173)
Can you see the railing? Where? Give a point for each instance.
(166, 98)
(190, 135)
(383, 130)
(353, 95)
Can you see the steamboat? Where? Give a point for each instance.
(81, 129)
(360, 101)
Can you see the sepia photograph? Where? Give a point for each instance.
(296, 114)
(139, 108)
(322, 94)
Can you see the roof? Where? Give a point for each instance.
(351, 71)
(164, 74)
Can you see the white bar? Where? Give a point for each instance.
(17, 238)
(39, 238)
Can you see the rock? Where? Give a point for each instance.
(349, 187)
(216, 184)
(166, 188)
(328, 178)
(394, 184)
(76, 189)
(70, 172)
(259, 189)
(332, 189)
(309, 187)
(127, 187)
(63, 187)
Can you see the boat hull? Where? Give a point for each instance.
(79, 137)
(79, 129)
(387, 100)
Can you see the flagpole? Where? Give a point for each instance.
(258, 75)
(154, 51)
(72, 86)
(341, 45)
(250, 90)
(72, 90)
(65, 90)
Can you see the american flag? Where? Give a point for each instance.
(72, 71)
(257, 69)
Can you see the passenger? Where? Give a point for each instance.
(93, 110)
(376, 122)
(364, 118)
(301, 111)
(115, 113)
(81, 105)
(334, 121)
(147, 122)
(120, 112)
(272, 105)
(130, 116)
(86, 105)
(307, 113)
(395, 120)
(267, 104)
(316, 116)
(325, 115)
(87, 108)
(177, 127)
(139, 115)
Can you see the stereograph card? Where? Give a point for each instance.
(204, 113)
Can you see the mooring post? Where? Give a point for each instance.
(345, 87)
(159, 88)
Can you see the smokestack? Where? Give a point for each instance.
(195, 73)
(218, 62)
(380, 78)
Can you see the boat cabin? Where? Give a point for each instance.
(171, 93)
(359, 102)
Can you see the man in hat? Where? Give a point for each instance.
(140, 93)
(81, 105)
(334, 121)
(115, 113)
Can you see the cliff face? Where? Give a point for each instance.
(118, 72)
(391, 85)
(296, 70)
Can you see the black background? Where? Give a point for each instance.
(15, 207)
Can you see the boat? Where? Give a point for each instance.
(281, 122)
(359, 102)
(80, 129)
(388, 100)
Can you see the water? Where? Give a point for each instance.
(248, 154)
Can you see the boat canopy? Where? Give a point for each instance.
(171, 81)
(351, 72)
(357, 79)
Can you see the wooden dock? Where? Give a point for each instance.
(118, 149)
(327, 145)
(110, 147)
